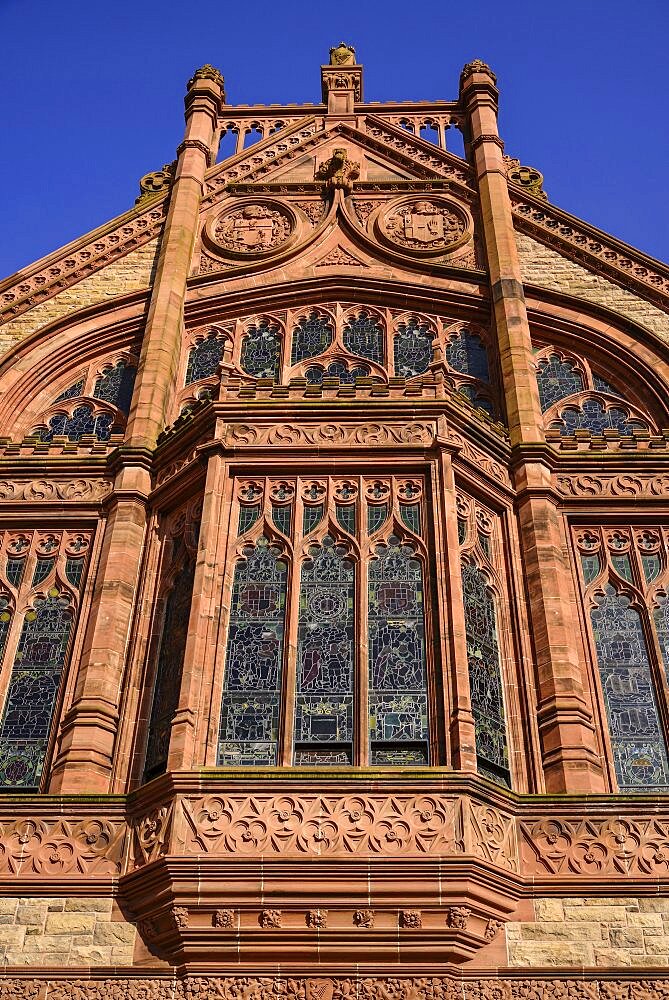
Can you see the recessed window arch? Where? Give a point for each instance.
(413, 351)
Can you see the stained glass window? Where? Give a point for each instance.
(74, 569)
(14, 570)
(33, 690)
(261, 351)
(312, 517)
(248, 516)
(557, 378)
(254, 658)
(364, 336)
(410, 514)
(637, 742)
(398, 721)
(346, 516)
(169, 669)
(81, 422)
(311, 337)
(466, 353)
(325, 653)
(315, 374)
(204, 359)
(602, 385)
(485, 678)
(477, 399)
(377, 515)
(72, 392)
(413, 349)
(116, 385)
(282, 517)
(592, 416)
(42, 569)
(5, 622)
(661, 618)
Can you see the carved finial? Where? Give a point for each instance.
(339, 171)
(157, 182)
(526, 177)
(476, 66)
(208, 72)
(342, 55)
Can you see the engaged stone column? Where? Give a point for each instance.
(570, 759)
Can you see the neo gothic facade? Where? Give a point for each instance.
(334, 575)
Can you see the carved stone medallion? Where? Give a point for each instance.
(250, 230)
(423, 226)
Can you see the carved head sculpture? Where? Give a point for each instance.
(342, 55)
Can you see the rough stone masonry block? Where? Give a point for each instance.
(70, 923)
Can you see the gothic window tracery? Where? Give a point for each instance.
(624, 572)
(261, 350)
(318, 584)
(312, 335)
(38, 607)
(412, 348)
(573, 397)
(204, 358)
(364, 335)
(475, 526)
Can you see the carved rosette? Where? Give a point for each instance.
(425, 226)
(251, 229)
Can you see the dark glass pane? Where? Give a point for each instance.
(204, 359)
(661, 619)
(346, 516)
(116, 386)
(42, 569)
(282, 517)
(413, 349)
(311, 337)
(74, 569)
(400, 756)
(377, 515)
(557, 379)
(484, 542)
(462, 530)
(637, 742)
(14, 570)
(410, 514)
(601, 385)
(592, 416)
(621, 565)
(168, 672)
(325, 649)
(485, 677)
(591, 567)
(248, 517)
(466, 353)
(5, 622)
(364, 336)
(397, 659)
(81, 422)
(312, 517)
(33, 689)
(254, 657)
(651, 567)
(324, 756)
(261, 350)
(315, 375)
(73, 391)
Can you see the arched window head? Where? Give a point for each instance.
(115, 386)
(261, 350)
(466, 353)
(82, 420)
(592, 415)
(557, 378)
(337, 369)
(312, 335)
(363, 335)
(204, 358)
(412, 348)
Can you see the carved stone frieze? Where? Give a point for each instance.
(624, 485)
(321, 987)
(333, 435)
(86, 490)
(479, 458)
(61, 847)
(596, 846)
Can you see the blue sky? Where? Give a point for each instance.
(92, 95)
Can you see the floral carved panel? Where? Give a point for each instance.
(62, 847)
(596, 846)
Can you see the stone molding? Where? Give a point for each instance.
(51, 848)
(36, 490)
(624, 486)
(334, 434)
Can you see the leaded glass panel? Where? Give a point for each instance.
(254, 658)
(312, 517)
(466, 353)
(204, 359)
(116, 386)
(591, 566)
(167, 684)
(592, 416)
(661, 619)
(364, 336)
(5, 622)
(74, 569)
(397, 656)
(311, 336)
(346, 516)
(412, 349)
(42, 569)
(557, 378)
(282, 517)
(33, 690)
(325, 649)
(476, 399)
(651, 567)
(637, 741)
(602, 385)
(72, 392)
(81, 422)
(622, 566)
(485, 677)
(315, 375)
(248, 515)
(377, 515)
(410, 514)
(261, 351)
(14, 571)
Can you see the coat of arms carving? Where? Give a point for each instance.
(425, 226)
(252, 229)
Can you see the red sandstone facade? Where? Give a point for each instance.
(330, 873)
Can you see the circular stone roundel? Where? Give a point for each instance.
(426, 226)
(252, 229)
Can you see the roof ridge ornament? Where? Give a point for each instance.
(476, 66)
(342, 55)
(208, 72)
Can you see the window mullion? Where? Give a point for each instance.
(289, 696)
(361, 667)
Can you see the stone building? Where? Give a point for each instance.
(334, 560)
